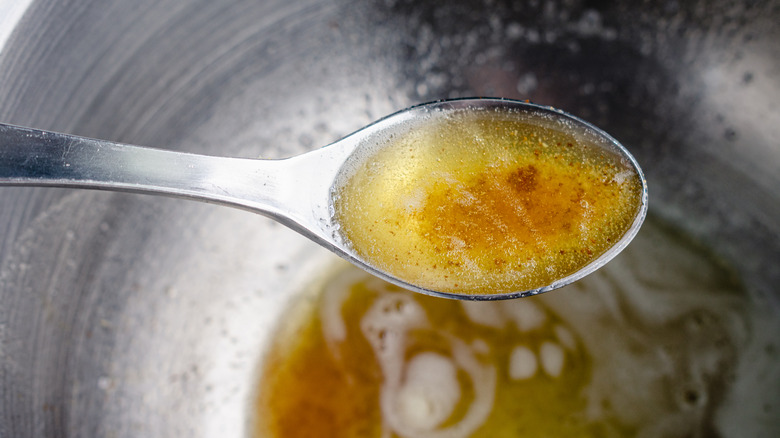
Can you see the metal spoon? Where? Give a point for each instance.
(296, 192)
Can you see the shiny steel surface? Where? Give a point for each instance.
(296, 191)
(125, 315)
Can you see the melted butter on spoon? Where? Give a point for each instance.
(490, 199)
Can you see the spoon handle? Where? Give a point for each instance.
(30, 157)
(293, 191)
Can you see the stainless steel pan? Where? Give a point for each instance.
(125, 315)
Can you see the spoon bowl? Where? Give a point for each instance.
(298, 192)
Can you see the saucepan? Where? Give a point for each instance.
(130, 315)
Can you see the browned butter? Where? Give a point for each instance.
(486, 202)
(653, 344)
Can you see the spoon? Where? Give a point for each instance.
(301, 192)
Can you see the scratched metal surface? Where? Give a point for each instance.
(126, 315)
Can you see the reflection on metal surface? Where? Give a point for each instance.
(11, 11)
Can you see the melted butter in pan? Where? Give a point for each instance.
(658, 342)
